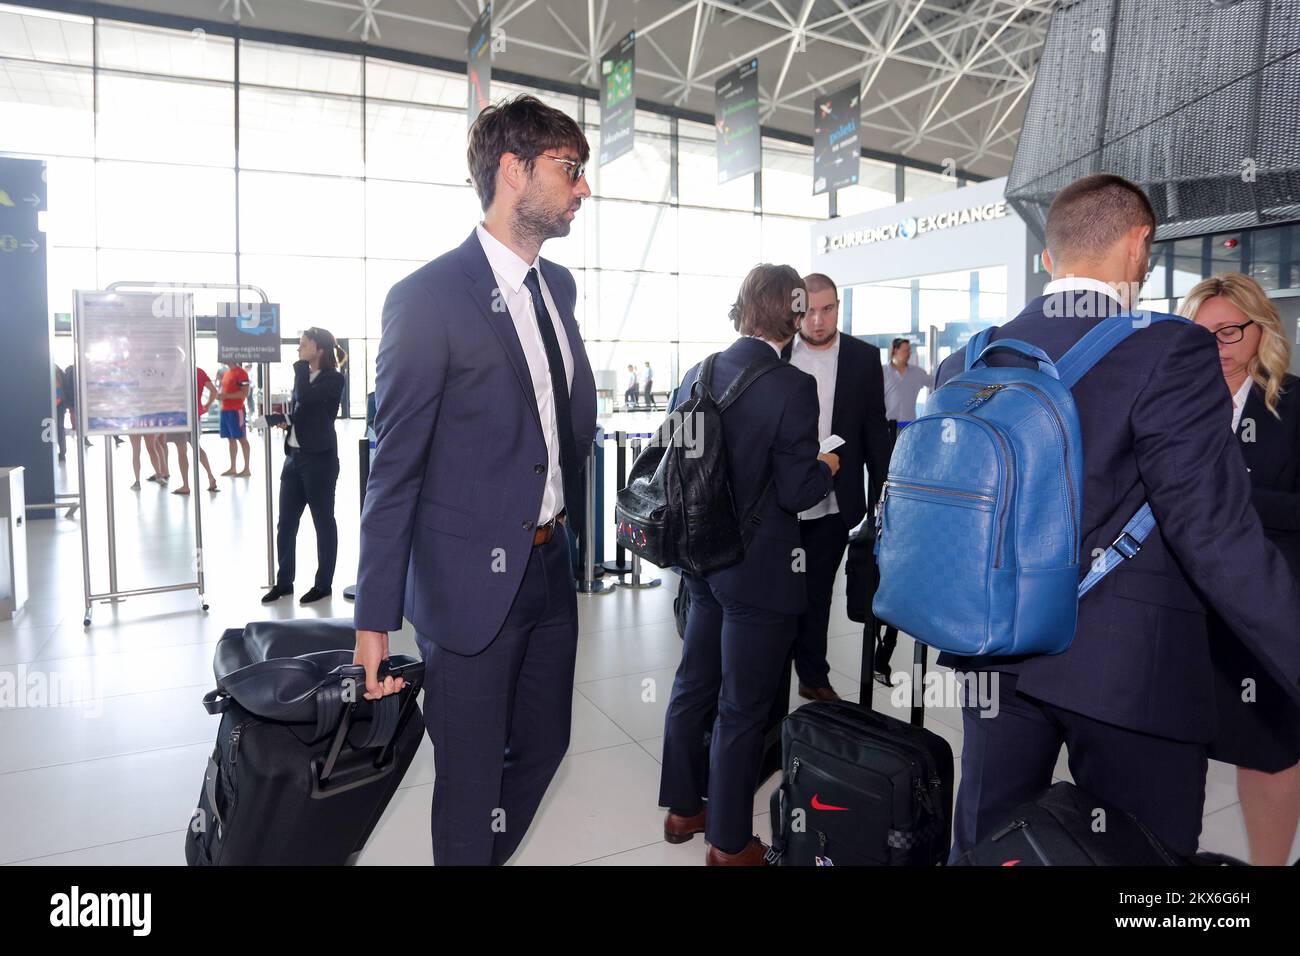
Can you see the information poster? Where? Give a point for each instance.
(736, 115)
(248, 333)
(133, 361)
(837, 146)
(618, 99)
(478, 63)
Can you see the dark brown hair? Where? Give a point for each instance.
(770, 300)
(332, 354)
(820, 282)
(1091, 214)
(894, 346)
(525, 126)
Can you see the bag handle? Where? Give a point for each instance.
(1045, 363)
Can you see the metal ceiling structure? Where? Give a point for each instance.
(944, 81)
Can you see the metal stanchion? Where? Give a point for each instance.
(589, 583)
(636, 582)
(112, 521)
(619, 565)
(270, 500)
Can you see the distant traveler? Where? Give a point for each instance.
(649, 386)
(1259, 725)
(182, 439)
(311, 463)
(235, 389)
(743, 619)
(633, 388)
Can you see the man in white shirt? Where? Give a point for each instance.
(903, 383)
(851, 400)
(486, 409)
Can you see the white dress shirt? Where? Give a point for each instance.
(1081, 284)
(293, 438)
(510, 272)
(823, 365)
(1239, 401)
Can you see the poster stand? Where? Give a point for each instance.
(113, 595)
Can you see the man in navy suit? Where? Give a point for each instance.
(486, 407)
(1132, 699)
(851, 399)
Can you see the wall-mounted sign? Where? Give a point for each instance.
(735, 112)
(478, 63)
(836, 144)
(911, 227)
(248, 333)
(617, 99)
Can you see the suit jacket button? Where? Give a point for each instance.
(539, 469)
(528, 526)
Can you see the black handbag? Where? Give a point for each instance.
(303, 765)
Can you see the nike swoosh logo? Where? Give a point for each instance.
(818, 805)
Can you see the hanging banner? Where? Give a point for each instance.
(618, 99)
(134, 372)
(248, 333)
(478, 62)
(735, 113)
(837, 146)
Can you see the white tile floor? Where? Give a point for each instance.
(113, 778)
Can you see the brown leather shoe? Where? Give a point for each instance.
(680, 829)
(818, 693)
(753, 855)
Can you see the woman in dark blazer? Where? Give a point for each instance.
(1259, 727)
(311, 463)
(743, 619)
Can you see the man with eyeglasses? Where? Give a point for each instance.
(486, 407)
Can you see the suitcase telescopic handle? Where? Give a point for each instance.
(920, 661)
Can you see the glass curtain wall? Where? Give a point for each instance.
(325, 177)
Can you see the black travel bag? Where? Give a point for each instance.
(861, 788)
(304, 765)
(1066, 826)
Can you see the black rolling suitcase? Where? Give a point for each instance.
(862, 788)
(304, 765)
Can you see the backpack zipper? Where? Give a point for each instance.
(895, 483)
(1023, 826)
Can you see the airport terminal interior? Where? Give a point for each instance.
(259, 168)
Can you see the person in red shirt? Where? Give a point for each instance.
(182, 439)
(234, 392)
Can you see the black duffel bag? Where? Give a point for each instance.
(303, 765)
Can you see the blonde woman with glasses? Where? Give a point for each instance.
(1259, 728)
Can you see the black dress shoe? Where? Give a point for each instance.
(275, 594)
(315, 594)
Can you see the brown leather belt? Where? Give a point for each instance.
(545, 532)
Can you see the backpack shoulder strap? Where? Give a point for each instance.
(747, 377)
(1122, 549)
(1100, 339)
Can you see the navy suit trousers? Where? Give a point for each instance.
(499, 720)
(731, 669)
(1007, 760)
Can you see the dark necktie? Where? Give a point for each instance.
(559, 394)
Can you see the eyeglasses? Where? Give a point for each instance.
(575, 168)
(1229, 334)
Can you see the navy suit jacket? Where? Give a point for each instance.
(315, 406)
(859, 418)
(1156, 426)
(460, 465)
(770, 431)
(1271, 447)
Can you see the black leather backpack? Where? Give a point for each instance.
(678, 510)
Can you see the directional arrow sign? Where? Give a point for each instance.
(33, 199)
(31, 245)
